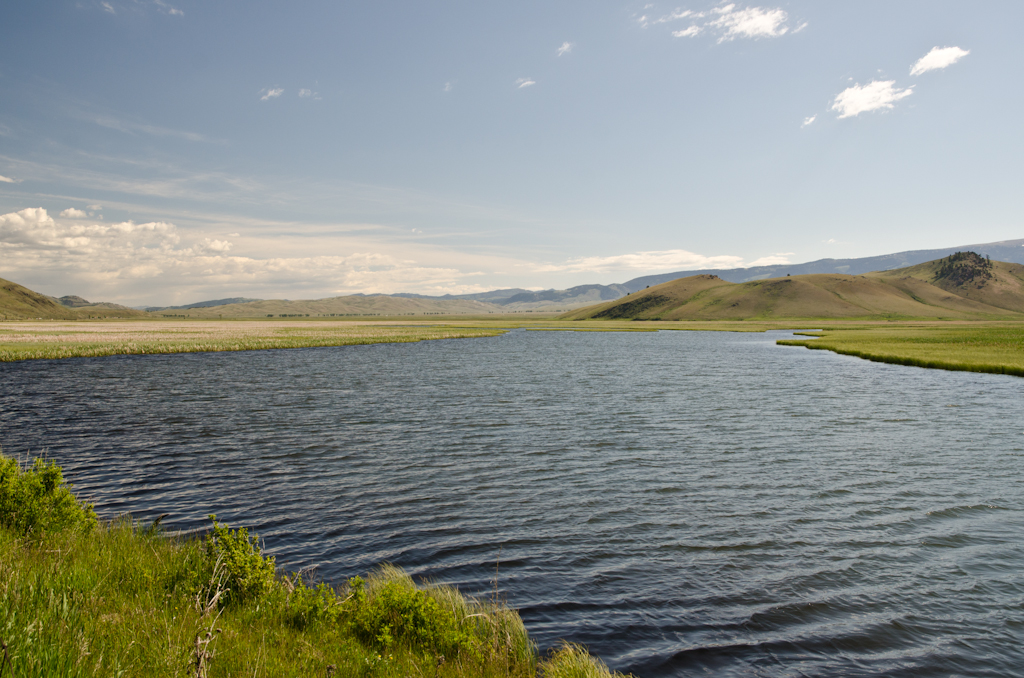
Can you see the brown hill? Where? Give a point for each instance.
(968, 287)
(21, 303)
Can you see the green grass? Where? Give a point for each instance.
(81, 598)
(974, 347)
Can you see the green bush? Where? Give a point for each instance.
(308, 605)
(239, 568)
(37, 500)
(395, 612)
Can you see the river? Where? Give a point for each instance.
(683, 503)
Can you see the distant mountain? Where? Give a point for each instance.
(960, 286)
(203, 304)
(1007, 250)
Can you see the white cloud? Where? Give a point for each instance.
(728, 22)
(270, 94)
(96, 208)
(155, 130)
(7, 180)
(129, 259)
(876, 95)
(938, 57)
(690, 32)
(107, 7)
(525, 82)
(810, 120)
(771, 260)
(644, 261)
(305, 93)
(447, 87)
(566, 48)
(72, 213)
(753, 22)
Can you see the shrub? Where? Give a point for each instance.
(239, 567)
(393, 611)
(308, 605)
(37, 500)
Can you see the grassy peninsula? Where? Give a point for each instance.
(84, 597)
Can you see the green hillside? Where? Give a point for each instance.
(21, 303)
(963, 286)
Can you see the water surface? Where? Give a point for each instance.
(684, 503)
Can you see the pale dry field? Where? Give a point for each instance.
(68, 339)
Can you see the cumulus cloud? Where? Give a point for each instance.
(72, 213)
(270, 93)
(128, 258)
(728, 22)
(565, 48)
(752, 22)
(7, 180)
(876, 95)
(96, 208)
(809, 120)
(525, 82)
(938, 57)
(644, 261)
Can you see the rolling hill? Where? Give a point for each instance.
(961, 286)
(21, 303)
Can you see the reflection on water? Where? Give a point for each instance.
(681, 502)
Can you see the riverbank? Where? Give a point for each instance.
(82, 597)
(996, 348)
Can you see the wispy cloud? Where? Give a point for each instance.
(690, 32)
(107, 7)
(7, 180)
(876, 95)
(727, 22)
(154, 130)
(644, 261)
(447, 87)
(776, 259)
(270, 93)
(525, 82)
(810, 120)
(938, 57)
(565, 48)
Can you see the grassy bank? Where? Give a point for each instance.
(974, 347)
(82, 597)
(35, 340)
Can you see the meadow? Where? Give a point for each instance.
(83, 597)
(973, 347)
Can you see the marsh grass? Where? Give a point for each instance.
(121, 598)
(973, 347)
(52, 340)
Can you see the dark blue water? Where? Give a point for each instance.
(683, 503)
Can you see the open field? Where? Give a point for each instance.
(972, 347)
(55, 339)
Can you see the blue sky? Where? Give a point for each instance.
(170, 151)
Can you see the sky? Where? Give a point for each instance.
(170, 151)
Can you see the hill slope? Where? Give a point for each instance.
(969, 287)
(18, 303)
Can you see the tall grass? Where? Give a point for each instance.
(120, 598)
